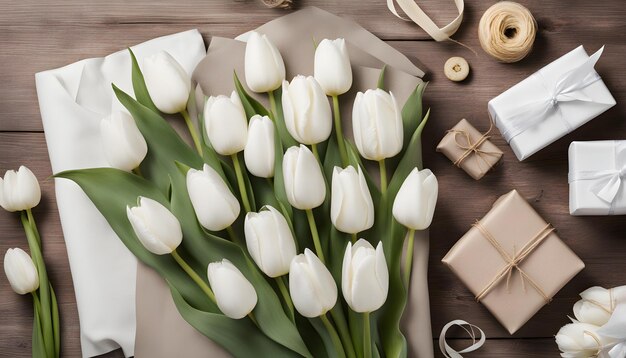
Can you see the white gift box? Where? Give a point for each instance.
(550, 103)
(597, 177)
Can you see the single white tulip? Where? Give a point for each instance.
(259, 151)
(264, 66)
(226, 123)
(581, 340)
(596, 307)
(364, 276)
(332, 67)
(215, 205)
(124, 146)
(377, 124)
(312, 287)
(21, 271)
(269, 241)
(234, 294)
(351, 205)
(155, 226)
(306, 110)
(304, 181)
(415, 202)
(19, 190)
(167, 81)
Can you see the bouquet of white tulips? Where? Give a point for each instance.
(255, 229)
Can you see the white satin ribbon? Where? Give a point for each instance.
(566, 89)
(616, 329)
(418, 16)
(450, 352)
(608, 182)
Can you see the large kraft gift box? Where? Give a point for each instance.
(513, 261)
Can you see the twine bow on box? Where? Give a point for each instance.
(514, 262)
(607, 182)
(472, 147)
(566, 89)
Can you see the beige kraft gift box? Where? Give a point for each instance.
(518, 293)
(469, 149)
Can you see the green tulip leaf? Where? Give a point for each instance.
(381, 78)
(139, 84)
(412, 113)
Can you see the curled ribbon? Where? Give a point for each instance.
(513, 262)
(450, 352)
(418, 16)
(608, 182)
(566, 89)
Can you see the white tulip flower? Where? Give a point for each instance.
(332, 67)
(306, 110)
(234, 294)
(259, 152)
(226, 123)
(312, 287)
(415, 202)
(269, 241)
(19, 190)
(215, 205)
(581, 340)
(21, 271)
(264, 66)
(124, 145)
(167, 81)
(364, 276)
(351, 208)
(304, 181)
(377, 124)
(597, 304)
(155, 226)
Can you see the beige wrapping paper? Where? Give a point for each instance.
(162, 332)
(513, 223)
(469, 149)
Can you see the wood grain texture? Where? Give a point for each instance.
(40, 35)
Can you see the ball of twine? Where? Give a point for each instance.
(507, 31)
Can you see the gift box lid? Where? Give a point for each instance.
(515, 226)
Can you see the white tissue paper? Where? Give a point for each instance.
(597, 177)
(550, 103)
(72, 100)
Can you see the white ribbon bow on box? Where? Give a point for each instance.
(566, 89)
(615, 328)
(609, 181)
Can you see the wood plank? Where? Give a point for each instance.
(70, 38)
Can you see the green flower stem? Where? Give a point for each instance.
(408, 264)
(37, 329)
(367, 336)
(285, 292)
(344, 333)
(241, 183)
(316, 153)
(339, 132)
(273, 107)
(192, 131)
(354, 238)
(194, 276)
(34, 240)
(383, 176)
(333, 336)
(31, 220)
(315, 235)
(137, 172)
(55, 323)
(232, 235)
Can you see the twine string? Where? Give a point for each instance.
(513, 262)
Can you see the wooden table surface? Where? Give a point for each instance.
(40, 35)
